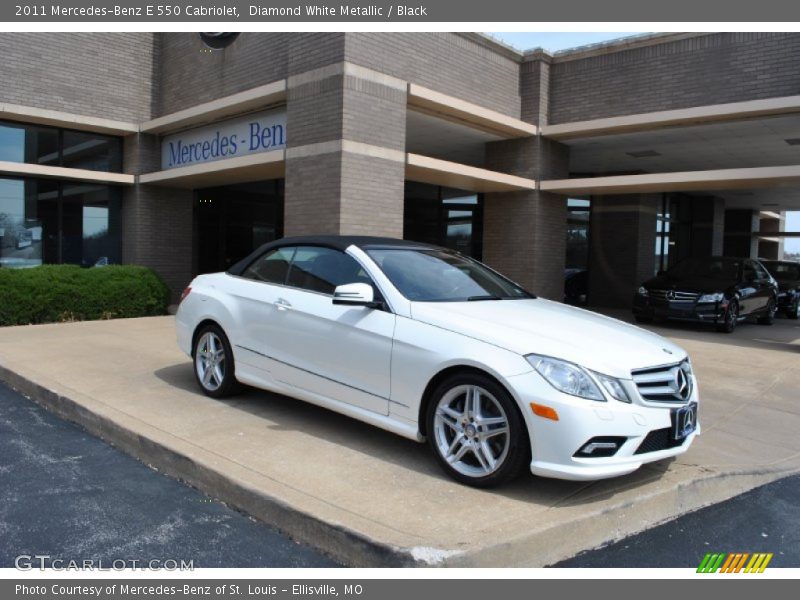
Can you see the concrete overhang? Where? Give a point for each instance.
(57, 118)
(669, 118)
(253, 167)
(47, 172)
(720, 179)
(249, 100)
(425, 169)
(454, 109)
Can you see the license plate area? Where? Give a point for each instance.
(684, 421)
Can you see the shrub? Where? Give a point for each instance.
(56, 293)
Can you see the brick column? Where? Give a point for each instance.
(524, 233)
(622, 239)
(708, 218)
(739, 228)
(345, 164)
(156, 221)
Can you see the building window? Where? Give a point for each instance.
(232, 221)
(56, 147)
(577, 251)
(673, 230)
(48, 221)
(444, 217)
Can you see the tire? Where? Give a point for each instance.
(212, 359)
(480, 454)
(643, 319)
(793, 311)
(730, 319)
(768, 318)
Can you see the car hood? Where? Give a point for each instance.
(698, 285)
(538, 326)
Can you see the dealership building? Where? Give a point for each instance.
(184, 154)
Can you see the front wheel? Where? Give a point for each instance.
(213, 363)
(476, 431)
(730, 319)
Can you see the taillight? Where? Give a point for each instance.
(185, 293)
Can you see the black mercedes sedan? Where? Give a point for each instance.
(717, 290)
(787, 273)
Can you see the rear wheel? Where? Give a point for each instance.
(213, 363)
(476, 431)
(730, 319)
(768, 318)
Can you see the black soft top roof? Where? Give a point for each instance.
(338, 242)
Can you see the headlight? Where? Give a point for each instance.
(566, 377)
(718, 297)
(642, 291)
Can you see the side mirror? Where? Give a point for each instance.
(354, 294)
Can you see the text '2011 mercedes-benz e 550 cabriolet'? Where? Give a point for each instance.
(429, 344)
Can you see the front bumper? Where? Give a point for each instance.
(555, 443)
(786, 300)
(707, 312)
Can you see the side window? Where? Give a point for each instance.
(761, 271)
(320, 269)
(749, 271)
(271, 267)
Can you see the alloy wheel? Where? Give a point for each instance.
(210, 361)
(472, 431)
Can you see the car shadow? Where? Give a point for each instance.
(282, 413)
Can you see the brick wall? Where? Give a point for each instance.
(313, 193)
(107, 75)
(524, 233)
(451, 63)
(157, 222)
(189, 73)
(702, 70)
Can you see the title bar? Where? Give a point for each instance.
(462, 11)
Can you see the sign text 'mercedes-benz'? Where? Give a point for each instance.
(248, 134)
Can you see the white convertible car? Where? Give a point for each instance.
(428, 344)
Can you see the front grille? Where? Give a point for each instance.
(658, 439)
(669, 383)
(674, 295)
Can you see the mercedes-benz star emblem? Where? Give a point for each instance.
(688, 421)
(671, 295)
(217, 41)
(681, 383)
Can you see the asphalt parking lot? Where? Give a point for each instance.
(69, 495)
(370, 498)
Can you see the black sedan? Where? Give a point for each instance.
(787, 273)
(717, 290)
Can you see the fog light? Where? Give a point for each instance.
(601, 446)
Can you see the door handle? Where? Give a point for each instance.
(283, 304)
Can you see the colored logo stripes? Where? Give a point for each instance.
(734, 562)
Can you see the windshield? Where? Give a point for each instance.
(431, 275)
(707, 268)
(784, 271)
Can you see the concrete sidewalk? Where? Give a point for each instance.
(369, 498)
